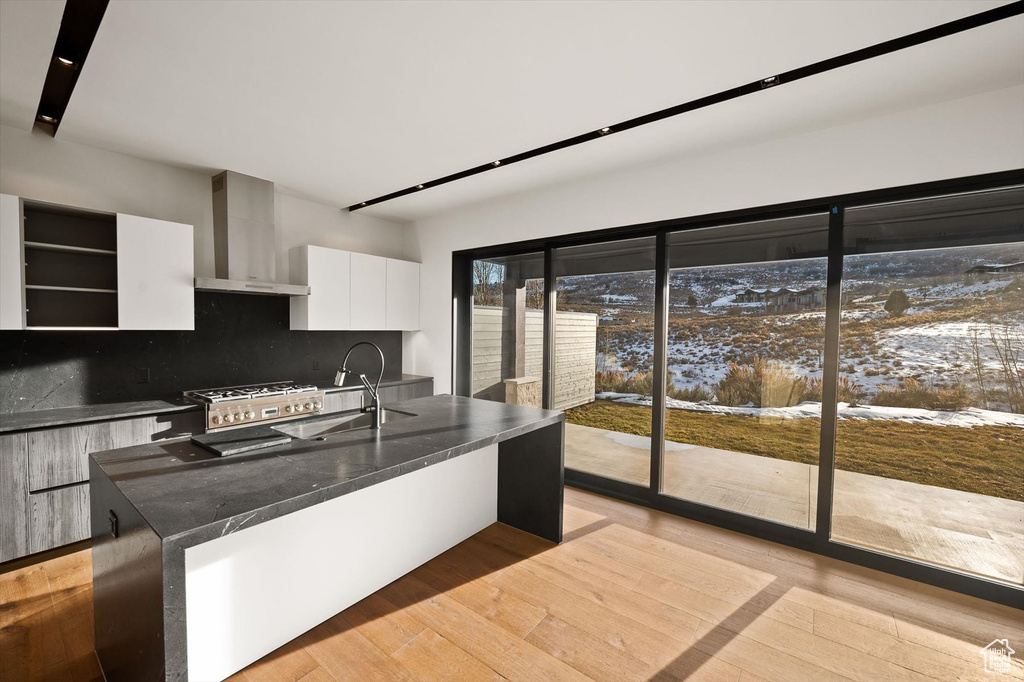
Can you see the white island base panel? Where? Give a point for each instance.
(252, 591)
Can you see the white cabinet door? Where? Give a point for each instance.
(369, 291)
(403, 295)
(12, 264)
(155, 274)
(327, 273)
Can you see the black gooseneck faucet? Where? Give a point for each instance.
(375, 410)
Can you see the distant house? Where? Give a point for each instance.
(783, 300)
(996, 269)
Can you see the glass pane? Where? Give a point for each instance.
(508, 329)
(930, 449)
(745, 342)
(604, 352)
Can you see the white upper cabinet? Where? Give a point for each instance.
(369, 292)
(12, 260)
(353, 291)
(403, 295)
(327, 273)
(155, 274)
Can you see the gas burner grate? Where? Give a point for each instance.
(220, 395)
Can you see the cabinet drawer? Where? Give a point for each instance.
(61, 456)
(58, 517)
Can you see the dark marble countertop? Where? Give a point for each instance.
(83, 414)
(63, 416)
(181, 489)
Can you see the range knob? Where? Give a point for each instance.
(309, 406)
(250, 415)
(317, 404)
(289, 408)
(298, 407)
(240, 416)
(215, 419)
(229, 418)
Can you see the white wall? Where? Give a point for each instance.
(977, 134)
(37, 166)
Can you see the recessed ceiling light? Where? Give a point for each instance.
(419, 186)
(65, 62)
(48, 119)
(495, 163)
(605, 131)
(363, 204)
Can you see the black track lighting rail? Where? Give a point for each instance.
(78, 27)
(888, 47)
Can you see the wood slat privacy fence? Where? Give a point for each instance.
(575, 354)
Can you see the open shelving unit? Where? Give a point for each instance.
(70, 268)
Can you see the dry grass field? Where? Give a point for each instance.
(981, 459)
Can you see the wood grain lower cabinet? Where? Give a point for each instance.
(61, 456)
(13, 496)
(44, 477)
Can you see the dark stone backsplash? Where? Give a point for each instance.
(238, 339)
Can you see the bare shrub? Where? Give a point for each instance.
(762, 384)
(693, 394)
(913, 393)
(640, 383)
(849, 391)
(1009, 348)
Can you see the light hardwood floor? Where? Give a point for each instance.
(631, 594)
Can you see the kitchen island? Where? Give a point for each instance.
(203, 564)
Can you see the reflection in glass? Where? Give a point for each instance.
(604, 351)
(930, 456)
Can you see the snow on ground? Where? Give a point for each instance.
(966, 417)
(941, 347)
(981, 287)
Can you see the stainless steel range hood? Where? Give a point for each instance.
(244, 239)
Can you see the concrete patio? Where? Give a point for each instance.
(967, 531)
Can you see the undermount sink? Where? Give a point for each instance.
(319, 428)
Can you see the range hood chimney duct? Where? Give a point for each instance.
(244, 240)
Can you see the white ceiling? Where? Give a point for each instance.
(345, 101)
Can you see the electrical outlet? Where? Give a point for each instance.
(316, 364)
(112, 524)
(142, 375)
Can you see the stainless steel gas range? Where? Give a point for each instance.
(238, 406)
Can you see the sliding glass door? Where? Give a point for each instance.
(746, 328)
(603, 360)
(843, 375)
(929, 453)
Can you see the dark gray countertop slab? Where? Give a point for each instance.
(65, 416)
(181, 489)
